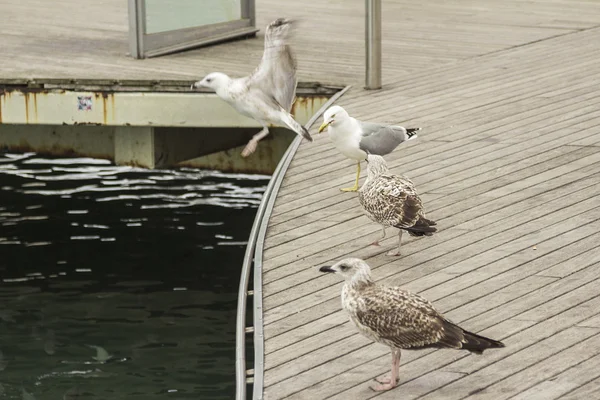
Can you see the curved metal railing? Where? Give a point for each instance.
(254, 250)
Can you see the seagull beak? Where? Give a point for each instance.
(326, 269)
(196, 85)
(324, 125)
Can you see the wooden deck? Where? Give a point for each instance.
(69, 39)
(508, 164)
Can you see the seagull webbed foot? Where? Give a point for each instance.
(383, 387)
(250, 148)
(385, 380)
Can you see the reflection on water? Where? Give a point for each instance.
(119, 282)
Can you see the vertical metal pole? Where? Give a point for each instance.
(373, 44)
(137, 27)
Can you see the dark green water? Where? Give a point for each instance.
(119, 283)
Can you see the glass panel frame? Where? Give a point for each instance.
(145, 45)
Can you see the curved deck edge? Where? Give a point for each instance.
(254, 249)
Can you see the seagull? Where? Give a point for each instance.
(268, 94)
(391, 200)
(355, 139)
(398, 318)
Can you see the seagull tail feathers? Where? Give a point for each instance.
(456, 337)
(477, 344)
(296, 127)
(423, 227)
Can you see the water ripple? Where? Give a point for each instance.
(144, 263)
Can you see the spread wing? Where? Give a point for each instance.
(392, 200)
(381, 139)
(276, 73)
(401, 318)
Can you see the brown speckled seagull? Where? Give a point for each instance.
(398, 318)
(391, 200)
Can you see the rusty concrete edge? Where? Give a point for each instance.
(42, 85)
(255, 248)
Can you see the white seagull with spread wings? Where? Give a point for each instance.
(268, 94)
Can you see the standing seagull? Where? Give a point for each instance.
(391, 200)
(355, 139)
(398, 318)
(268, 94)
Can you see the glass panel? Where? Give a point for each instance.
(169, 15)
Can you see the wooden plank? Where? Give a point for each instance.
(586, 391)
(491, 161)
(565, 382)
(521, 334)
(475, 384)
(323, 199)
(522, 217)
(417, 36)
(301, 349)
(446, 253)
(382, 266)
(521, 339)
(516, 169)
(506, 286)
(544, 369)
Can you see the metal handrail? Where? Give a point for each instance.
(240, 329)
(254, 249)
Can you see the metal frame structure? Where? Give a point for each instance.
(254, 250)
(373, 44)
(144, 45)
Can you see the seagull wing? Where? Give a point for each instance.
(381, 139)
(392, 200)
(400, 318)
(276, 73)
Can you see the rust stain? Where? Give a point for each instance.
(112, 103)
(29, 97)
(26, 106)
(105, 105)
(306, 105)
(35, 107)
(104, 110)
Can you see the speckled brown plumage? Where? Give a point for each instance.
(392, 201)
(398, 318)
(405, 320)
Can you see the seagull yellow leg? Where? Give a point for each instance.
(355, 187)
